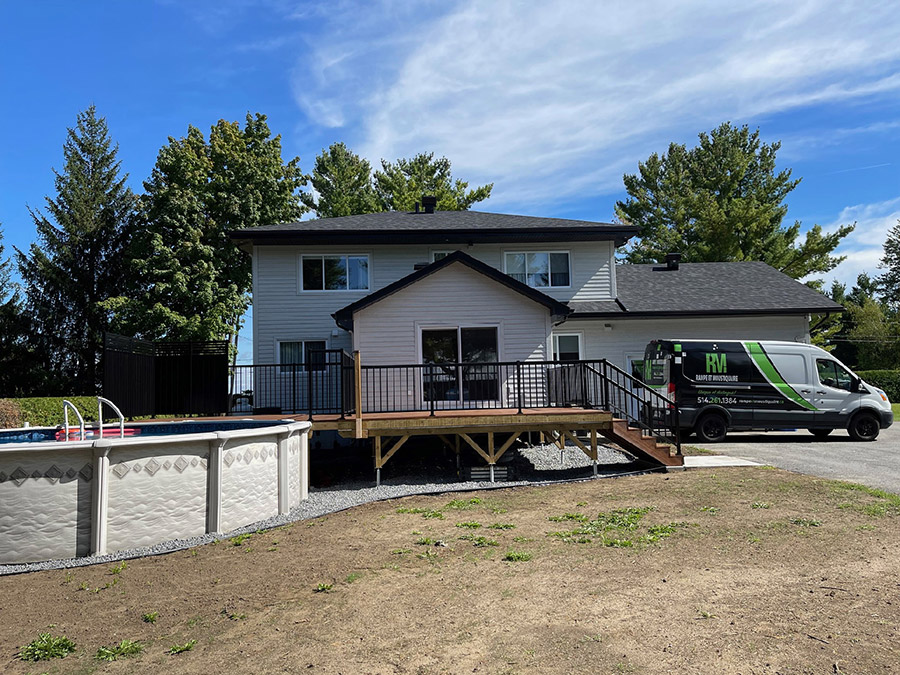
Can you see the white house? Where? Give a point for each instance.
(463, 286)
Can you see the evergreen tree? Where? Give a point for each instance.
(342, 182)
(77, 262)
(889, 281)
(400, 185)
(190, 281)
(722, 201)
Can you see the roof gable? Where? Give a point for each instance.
(344, 316)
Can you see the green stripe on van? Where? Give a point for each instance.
(768, 369)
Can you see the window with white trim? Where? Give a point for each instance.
(566, 346)
(334, 272)
(301, 355)
(539, 269)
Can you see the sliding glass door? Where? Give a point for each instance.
(461, 369)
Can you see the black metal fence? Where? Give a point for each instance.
(323, 385)
(165, 378)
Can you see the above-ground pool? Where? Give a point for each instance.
(164, 480)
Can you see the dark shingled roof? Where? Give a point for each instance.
(706, 289)
(344, 316)
(437, 227)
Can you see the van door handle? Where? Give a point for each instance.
(805, 391)
(822, 392)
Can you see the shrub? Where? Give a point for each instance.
(48, 411)
(10, 414)
(889, 380)
(125, 649)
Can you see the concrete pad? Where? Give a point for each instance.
(715, 461)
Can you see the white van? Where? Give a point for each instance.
(722, 385)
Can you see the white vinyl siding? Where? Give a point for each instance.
(631, 336)
(281, 309)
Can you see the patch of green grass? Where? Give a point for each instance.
(463, 504)
(186, 647)
(695, 450)
(760, 505)
(323, 588)
(521, 539)
(150, 617)
(232, 616)
(427, 554)
(401, 551)
(118, 568)
(479, 541)
(502, 526)
(425, 541)
(46, 647)
(125, 649)
(517, 556)
(194, 621)
(887, 504)
(805, 522)
(703, 614)
(241, 538)
(577, 517)
(353, 576)
(471, 525)
(712, 510)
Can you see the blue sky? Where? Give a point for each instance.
(552, 102)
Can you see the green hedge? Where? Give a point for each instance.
(889, 380)
(45, 411)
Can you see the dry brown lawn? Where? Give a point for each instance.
(736, 571)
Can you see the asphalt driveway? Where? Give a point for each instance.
(876, 464)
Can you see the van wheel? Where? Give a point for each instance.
(864, 427)
(820, 434)
(711, 428)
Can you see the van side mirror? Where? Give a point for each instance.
(855, 385)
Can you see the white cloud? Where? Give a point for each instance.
(864, 246)
(551, 100)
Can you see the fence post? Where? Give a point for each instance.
(519, 385)
(603, 369)
(294, 407)
(431, 387)
(357, 379)
(309, 388)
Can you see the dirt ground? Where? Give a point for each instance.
(737, 571)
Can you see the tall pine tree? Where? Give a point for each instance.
(342, 181)
(722, 200)
(190, 281)
(401, 184)
(77, 262)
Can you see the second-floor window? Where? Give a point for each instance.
(539, 269)
(334, 272)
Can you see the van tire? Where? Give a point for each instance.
(820, 434)
(711, 427)
(864, 426)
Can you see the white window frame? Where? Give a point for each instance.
(549, 273)
(322, 256)
(446, 252)
(554, 344)
(304, 369)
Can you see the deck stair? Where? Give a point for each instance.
(634, 440)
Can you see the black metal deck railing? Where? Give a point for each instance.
(327, 384)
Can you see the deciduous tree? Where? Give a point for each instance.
(191, 282)
(722, 200)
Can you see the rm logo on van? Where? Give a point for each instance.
(715, 363)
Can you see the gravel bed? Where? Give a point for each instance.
(534, 465)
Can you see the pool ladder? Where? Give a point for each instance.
(81, 429)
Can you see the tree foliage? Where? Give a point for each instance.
(190, 281)
(889, 281)
(401, 184)
(342, 181)
(722, 201)
(77, 262)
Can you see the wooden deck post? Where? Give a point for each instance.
(491, 453)
(357, 379)
(594, 448)
(377, 461)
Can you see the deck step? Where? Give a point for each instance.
(647, 447)
(483, 473)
